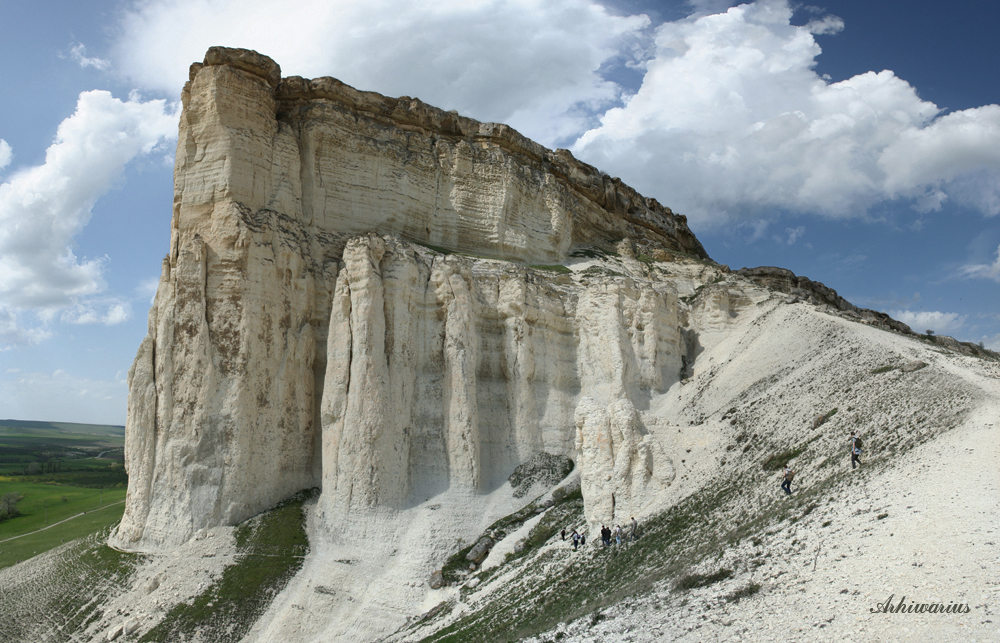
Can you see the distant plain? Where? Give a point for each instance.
(71, 479)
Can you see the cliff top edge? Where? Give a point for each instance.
(293, 92)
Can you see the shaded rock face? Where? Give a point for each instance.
(445, 372)
(299, 338)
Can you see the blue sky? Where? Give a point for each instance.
(856, 143)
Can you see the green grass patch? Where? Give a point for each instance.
(53, 439)
(554, 585)
(778, 461)
(692, 581)
(455, 567)
(44, 504)
(24, 547)
(82, 455)
(271, 548)
(566, 512)
(56, 600)
(669, 543)
(552, 523)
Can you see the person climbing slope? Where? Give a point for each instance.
(786, 482)
(855, 443)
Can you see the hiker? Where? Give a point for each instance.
(618, 534)
(583, 539)
(576, 539)
(564, 534)
(635, 528)
(786, 484)
(855, 442)
(605, 535)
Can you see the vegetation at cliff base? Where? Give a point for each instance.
(68, 590)
(272, 547)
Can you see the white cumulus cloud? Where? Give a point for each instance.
(531, 63)
(14, 333)
(43, 208)
(732, 120)
(941, 323)
(984, 271)
(88, 313)
(6, 154)
(79, 53)
(794, 234)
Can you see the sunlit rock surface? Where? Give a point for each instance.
(302, 336)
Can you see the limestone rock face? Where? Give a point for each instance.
(445, 372)
(622, 466)
(301, 337)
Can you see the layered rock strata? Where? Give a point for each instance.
(299, 339)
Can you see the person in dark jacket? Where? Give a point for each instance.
(855, 443)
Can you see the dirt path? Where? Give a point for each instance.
(82, 513)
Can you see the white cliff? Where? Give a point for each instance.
(399, 306)
(300, 338)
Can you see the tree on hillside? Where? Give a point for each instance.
(8, 504)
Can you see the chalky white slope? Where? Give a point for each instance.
(919, 522)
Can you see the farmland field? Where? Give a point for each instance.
(48, 452)
(62, 472)
(22, 548)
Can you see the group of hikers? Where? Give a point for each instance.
(579, 539)
(854, 441)
(618, 533)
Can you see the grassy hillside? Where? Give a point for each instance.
(82, 588)
(62, 472)
(18, 548)
(768, 397)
